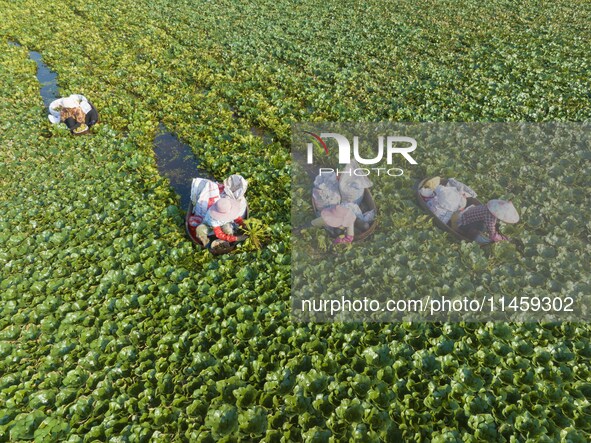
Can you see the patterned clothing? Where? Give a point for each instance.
(75, 118)
(225, 232)
(76, 113)
(479, 214)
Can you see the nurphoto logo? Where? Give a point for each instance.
(394, 145)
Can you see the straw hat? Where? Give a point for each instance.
(225, 209)
(432, 183)
(503, 210)
(338, 216)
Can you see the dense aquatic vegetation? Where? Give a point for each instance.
(542, 168)
(114, 327)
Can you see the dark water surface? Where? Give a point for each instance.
(46, 77)
(177, 162)
(175, 159)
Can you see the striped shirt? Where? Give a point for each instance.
(480, 213)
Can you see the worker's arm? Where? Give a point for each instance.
(493, 234)
(222, 236)
(227, 237)
(71, 123)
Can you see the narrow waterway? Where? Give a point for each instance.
(175, 159)
(46, 77)
(177, 162)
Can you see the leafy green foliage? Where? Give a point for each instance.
(256, 231)
(113, 327)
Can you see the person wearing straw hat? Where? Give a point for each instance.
(480, 222)
(75, 111)
(223, 217)
(340, 217)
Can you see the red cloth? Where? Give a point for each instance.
(222, 236)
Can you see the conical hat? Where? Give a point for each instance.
(432, 183)
(338, 216)
(225, 209)
(503, 210)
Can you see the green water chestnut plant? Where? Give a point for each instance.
(113, 327)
